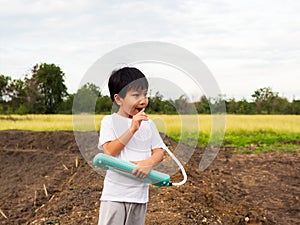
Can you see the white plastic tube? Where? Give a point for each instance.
(181, 168)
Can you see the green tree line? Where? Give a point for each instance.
(44, 92)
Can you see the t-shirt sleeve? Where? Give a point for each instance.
(156, 141)
(106, 131)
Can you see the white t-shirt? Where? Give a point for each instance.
(118, 187)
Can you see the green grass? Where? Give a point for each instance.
(262, 141)
(244, 133)
(250, 142)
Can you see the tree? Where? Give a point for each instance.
(263, 98)
(280, 105)
(155, 103)
(4, 82)
(66, 105)
(50, 85)
(17, 94)
(203, 105)
(34, 99)
(104, 104)
(240, 107)
(85, 99)
(295, 107)
(4, 94)
(183, 106)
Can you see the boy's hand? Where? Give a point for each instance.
(136, 121)
(143, 169)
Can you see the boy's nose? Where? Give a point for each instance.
(144, 100)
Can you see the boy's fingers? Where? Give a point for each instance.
(133, 172)
(143, 115)
(142, 112)
(138, 174)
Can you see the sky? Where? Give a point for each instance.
(246, 44)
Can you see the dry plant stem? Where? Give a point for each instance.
(3, 214)
(45, 190)
(51, 198)
(72, 177)
(76, 162)
(35, 196)
(42, 206)
(66, 168)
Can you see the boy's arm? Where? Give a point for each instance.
(145, 166)
(114, 147)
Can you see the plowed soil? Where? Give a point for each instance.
(45, 180)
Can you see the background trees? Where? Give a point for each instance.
(4, 81)
(269, 102)
(44, 91)
(49, 79)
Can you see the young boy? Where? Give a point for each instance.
(129, 135)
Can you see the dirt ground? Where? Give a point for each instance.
(45, 180)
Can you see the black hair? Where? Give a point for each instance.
(125, 79)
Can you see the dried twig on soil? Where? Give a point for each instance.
(35, 196)
(51, 198)
(42, 206)
(76, 162)
(45, 190)
(66, 168)
(3, 214)
(72, 177)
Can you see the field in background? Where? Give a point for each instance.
(248, 133)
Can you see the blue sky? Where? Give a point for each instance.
(246, 44)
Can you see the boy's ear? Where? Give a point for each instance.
(117, 99)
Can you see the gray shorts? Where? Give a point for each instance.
(122, 213)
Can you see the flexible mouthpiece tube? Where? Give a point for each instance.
(181, 168)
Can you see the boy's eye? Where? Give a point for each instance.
(140, 94)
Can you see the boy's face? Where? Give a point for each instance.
(133, 102)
